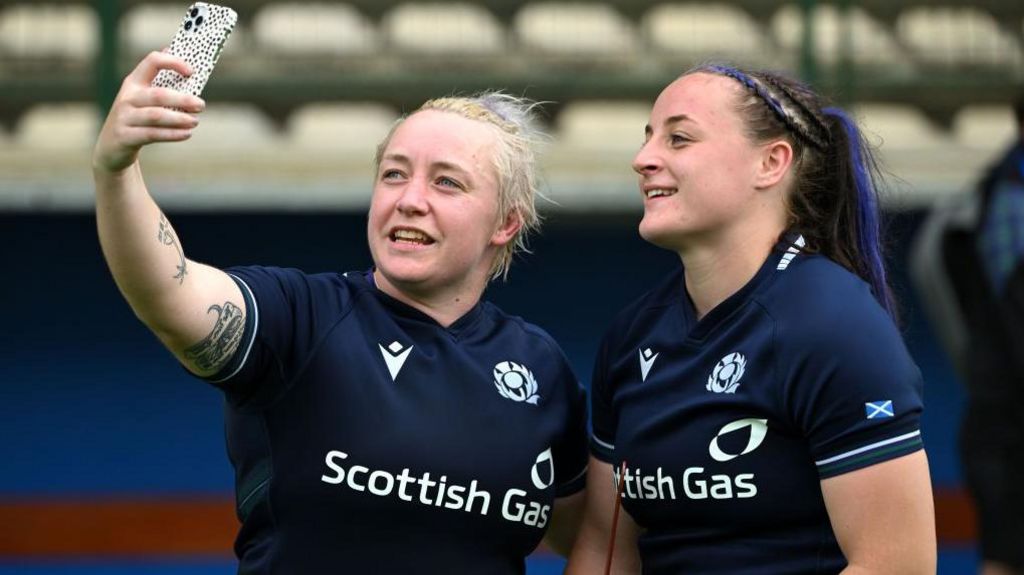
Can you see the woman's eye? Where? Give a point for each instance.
(390, 174)
(679, 139)
(448, 182)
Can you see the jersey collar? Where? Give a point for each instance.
(699, 330)
(404, 310)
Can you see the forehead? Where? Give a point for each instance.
(443, 135)
(707, 99)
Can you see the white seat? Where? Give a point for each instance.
(603, 125)
(149, 27)
(986, 128)
(332, 129)
(319, 29)
(870, 42)
(451, 28)
(226, 130)
(70, 127)
(567, 29)
(961, 35)
(705, 30)
(65, 31)
(919, 157)
(895, 127)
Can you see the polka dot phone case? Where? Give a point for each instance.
(199, 41)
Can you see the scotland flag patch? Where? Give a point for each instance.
(878, 409)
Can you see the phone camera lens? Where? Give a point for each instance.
(194, 12)
(199, 21)
(188, 25)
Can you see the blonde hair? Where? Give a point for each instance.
(515, 159)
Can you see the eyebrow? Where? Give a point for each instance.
(669, 121)
(440, 164)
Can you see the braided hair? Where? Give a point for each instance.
(834, 200)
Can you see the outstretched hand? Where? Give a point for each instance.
(142, 114)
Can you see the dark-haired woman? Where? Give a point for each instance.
(758, 409)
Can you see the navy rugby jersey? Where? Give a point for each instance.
(727, 425)
(367, 438)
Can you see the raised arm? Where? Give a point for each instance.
(590, 552)
(196, 311)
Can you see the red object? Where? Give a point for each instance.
(615, 517)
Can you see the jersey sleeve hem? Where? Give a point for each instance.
(868, 455)
(241, 355)
(574, 485)
(602, 450)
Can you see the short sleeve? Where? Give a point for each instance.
(854, 392)
(603, 420)
(286, 312)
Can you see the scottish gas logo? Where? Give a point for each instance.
(695, 482)
(517, 505)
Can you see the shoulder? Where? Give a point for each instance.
(639, 313)
(522, 331)
(814, 295)
(529, 344)
(295, 286)
(826, 315)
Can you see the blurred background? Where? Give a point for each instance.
(113, 459)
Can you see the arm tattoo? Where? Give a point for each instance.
(167, 238)
(216, 348)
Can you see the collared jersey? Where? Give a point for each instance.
(728, 424)
(367, 438)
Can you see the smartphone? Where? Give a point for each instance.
(199, 41)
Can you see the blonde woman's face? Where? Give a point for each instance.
(433, 222)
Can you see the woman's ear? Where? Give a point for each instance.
(507, 229)
(776, 159)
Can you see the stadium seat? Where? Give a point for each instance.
(702, 31)
(67, 31)
(317, 29)
(920, 158)
(603, 125)
(894, 127)
(227, 129)
(574, 29)
(985, 128)
(957, 35)
(871, 43)
(149, 27)
(335, 129)
(441, 29)
(69, 127)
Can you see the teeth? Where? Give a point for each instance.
(659, 192)
(411, 236)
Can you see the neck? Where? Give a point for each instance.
(445, 305)
(716, 270)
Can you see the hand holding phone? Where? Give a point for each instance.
(199, 42)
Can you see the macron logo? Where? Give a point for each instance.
(394, 355)
(647, 358)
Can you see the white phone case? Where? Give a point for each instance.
(199, 41)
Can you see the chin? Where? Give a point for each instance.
(404, 273)
(663, 236)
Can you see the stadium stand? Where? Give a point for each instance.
(317, 57)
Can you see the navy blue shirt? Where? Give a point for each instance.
(367, 438)
(728, 424)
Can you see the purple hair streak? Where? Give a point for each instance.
(868, 226)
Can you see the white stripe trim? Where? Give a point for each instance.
(603, 443)
(578, 475)
(859, 450)
(255, 327)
